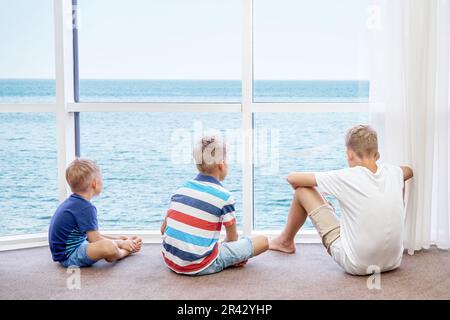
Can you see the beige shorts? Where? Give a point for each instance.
(326, 223)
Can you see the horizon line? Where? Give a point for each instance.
(184, 79)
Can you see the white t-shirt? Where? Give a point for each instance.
(372, 216)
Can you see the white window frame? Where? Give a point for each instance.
(64, 108)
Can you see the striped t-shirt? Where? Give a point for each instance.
(194, 220)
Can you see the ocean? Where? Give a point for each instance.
(144, 157)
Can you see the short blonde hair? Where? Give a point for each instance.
(363, 140)
(80, 173)
(209, 150)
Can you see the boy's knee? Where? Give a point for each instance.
(260, 244)
(309, 196)
(264, 242)
(303, 192)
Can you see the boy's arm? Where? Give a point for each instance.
(130, 244)
(114, 238)
(94, 236)
(302, 179)
(231, 233)
(163, 225)
(407, 173)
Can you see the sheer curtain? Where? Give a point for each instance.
(409, 107)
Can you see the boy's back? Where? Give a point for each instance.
(372, 214)
(194, 220)
(68, 227)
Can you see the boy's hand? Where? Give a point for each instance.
(407, 173)
(240, 264)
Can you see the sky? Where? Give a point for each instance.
(190, 39)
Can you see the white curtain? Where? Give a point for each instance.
(409, 107)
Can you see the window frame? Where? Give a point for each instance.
(66, 109)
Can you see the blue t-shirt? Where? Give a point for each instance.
(69, 225)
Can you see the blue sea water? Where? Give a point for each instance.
(43, 91)
(145, 156)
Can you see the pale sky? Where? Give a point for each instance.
(190, 39)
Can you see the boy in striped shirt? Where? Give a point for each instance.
(195, 217)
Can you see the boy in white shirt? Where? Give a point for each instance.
(370, 231)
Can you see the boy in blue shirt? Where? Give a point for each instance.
(73, 235)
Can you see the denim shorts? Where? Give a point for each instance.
(79, 257)
(230, 253)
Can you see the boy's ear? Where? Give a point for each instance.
(349, 154)
(377, 156)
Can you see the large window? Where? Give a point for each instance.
(281, 80)
(308, 56)
(28, 159)
(26, 51)
(310, 51)
(28, 195)
(160, 51)
(145, 157)
(295, 142)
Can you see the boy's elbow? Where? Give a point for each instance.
(94, 236)
(291, 178)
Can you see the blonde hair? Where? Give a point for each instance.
(208, 152)
(363, 140)
(80, 173)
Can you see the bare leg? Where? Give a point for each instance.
(260, 244)
(296, 218)
(305, 200)
(106, 249)
(311, 199)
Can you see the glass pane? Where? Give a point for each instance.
(286, 142)
(27, 51)
(28, 187)
(160, 51)
(310, 51)
(145, 157)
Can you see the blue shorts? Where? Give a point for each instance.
(230, 253)
(79, 257)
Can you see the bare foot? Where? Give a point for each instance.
(129, 245)
(278, 244)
